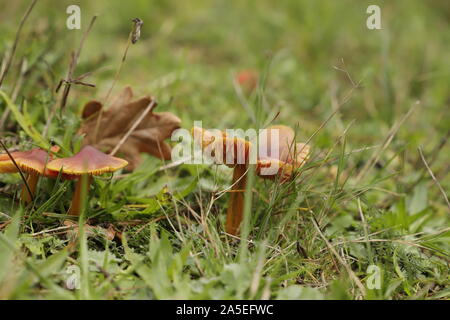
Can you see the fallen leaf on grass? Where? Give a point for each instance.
(116, 121)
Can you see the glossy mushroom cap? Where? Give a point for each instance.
(279, 152)
(32, 161)
(247, 79)
(88, 161)
(274, 159)
(234, 150)
(203, 137)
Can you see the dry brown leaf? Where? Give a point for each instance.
(118, 118)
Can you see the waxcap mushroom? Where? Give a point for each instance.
(248, 79)
(278, 156)
(277, 149)
(88, 161)
(234, 152)
(203, 137)
(32, 162)
(223, 148)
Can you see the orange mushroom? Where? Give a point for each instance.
(88, 162)
(32, 162)
(278, 156)
(247, 79)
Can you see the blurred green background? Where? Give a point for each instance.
(309, 54)
(189, 52)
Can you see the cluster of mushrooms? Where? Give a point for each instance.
(90, 162)
(38, 162)
(285, 155)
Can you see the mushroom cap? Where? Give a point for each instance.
(248, 79)
(32, 161)
(283, 169)
(274, 146)
(277, 151)
(230, 146)
(204, 137)
(87, 161)
(284, 156)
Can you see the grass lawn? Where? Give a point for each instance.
(367, 217)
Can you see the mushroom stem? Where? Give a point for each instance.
(27, 195)
(235, 209)
(75, 207)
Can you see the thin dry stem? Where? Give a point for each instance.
(116, 77)
(148, 109)
(19, 170)
(73, 62)
(433, 177)
(9, 58)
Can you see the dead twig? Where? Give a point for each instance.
(133, 36)
(69, 79)
(149, 108)
(74, 63)
(433, 177)
(20, 171)
(52, 230)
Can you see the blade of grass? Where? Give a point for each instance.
(20, 171)
(25, 123)
(433, 177)
(9, 58)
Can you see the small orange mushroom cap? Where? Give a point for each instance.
(88, 161)
(32, 161)
(204, 137)
(248, 79)
(235, 150)
(277, 150)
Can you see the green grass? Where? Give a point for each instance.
(365, 197)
